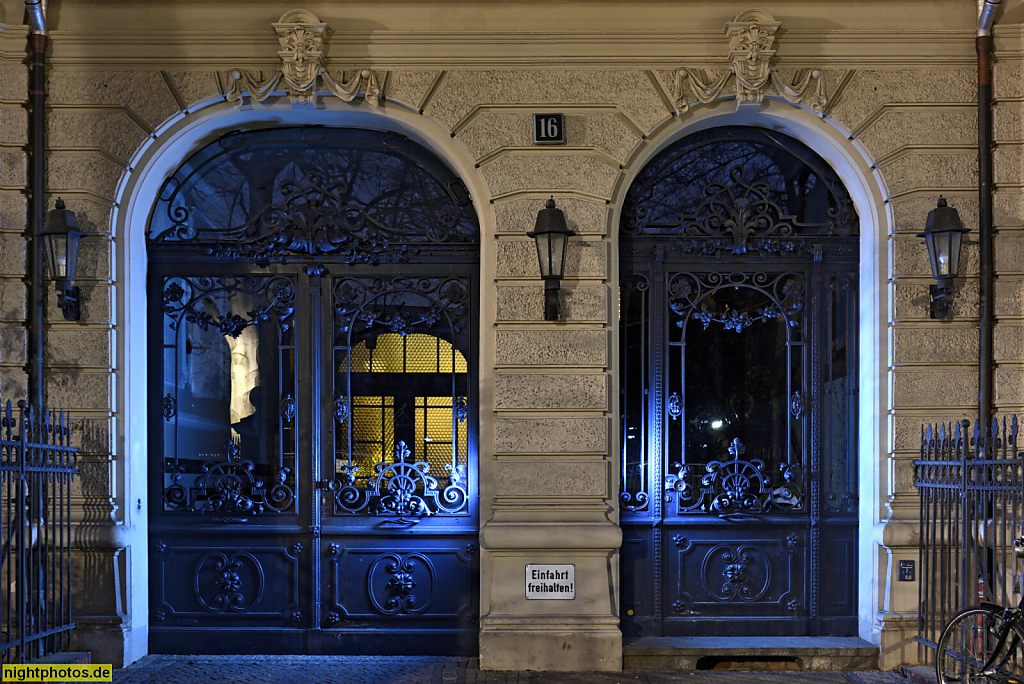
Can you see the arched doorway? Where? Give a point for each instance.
(312, 448)
(738, 379)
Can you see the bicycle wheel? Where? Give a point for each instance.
(968, 643)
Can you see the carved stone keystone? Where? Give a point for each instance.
(303, 72)
(751, 41)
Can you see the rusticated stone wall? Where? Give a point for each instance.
(552, 377)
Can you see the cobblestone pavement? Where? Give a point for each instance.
(429, 670)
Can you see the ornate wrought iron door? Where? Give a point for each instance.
(738, 319)
(313, 472)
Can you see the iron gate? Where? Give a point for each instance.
(313, 471)
(738, 309)
(970, 482)
(37, 464)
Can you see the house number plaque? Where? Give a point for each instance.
(548, 129)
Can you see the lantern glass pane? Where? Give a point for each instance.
(941, 241)
(955, 237)
(558, 254)
(544, 253)
(71, 254)
(55, 246)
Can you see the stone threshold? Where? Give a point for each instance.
(750, 653)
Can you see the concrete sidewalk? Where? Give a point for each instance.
(436, 670)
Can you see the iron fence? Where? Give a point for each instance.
(37, 464)
(971, 487)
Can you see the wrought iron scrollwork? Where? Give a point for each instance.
(366, 309)
(796, 405)
(201, 301)
(288, 408)
(737, 485)
(675, 406)
(313, 217)
(170, 406)
(689, 297)
(228, 583)
(738, 211)
(401, 305)
(402, 487)
(227, 487)
(461, 409)
(341, 409)
(633, 501)
(393, 587)
(340, 192)
(780, 194)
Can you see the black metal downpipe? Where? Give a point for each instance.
(37, 204)
(986, 294)
(37, 495)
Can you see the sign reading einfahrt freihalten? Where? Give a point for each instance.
(551, 582)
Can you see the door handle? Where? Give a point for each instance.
(737, 517)
(402, 522)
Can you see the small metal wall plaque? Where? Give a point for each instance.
(906, 571)
(551, 582)
(548, 129)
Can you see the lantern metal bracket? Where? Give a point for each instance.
(942, 295)
(551, 288)
(68, 302)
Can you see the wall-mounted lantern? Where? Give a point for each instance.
(61, 239)
(943, 233)
(552, 234)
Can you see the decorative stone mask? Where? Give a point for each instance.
(751, 37)
(300, 33)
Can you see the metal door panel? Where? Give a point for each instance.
(404, 583)
(639, 592)
(208, 580)
(839, 551)
(733, 575)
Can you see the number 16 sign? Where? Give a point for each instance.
(548, 129)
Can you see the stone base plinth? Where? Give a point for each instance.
(566, 647)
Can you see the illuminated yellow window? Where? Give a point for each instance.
(434, 431)
(413, 353)
(373, 433)
(434, 423)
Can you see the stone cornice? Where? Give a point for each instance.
(654, 49)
